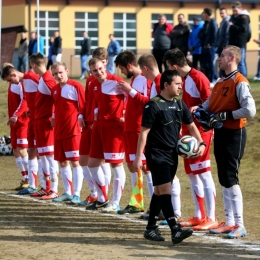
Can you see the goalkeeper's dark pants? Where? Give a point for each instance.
(229, 145)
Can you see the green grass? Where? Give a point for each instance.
(248, 174)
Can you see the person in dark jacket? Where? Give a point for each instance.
(208, 39)
(32, 42)
(162, 42)
(84, 54)
(180, 35)
(194, 43)
(49, 64)
(239, 31)
(57, 48)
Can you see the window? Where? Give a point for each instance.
(49, 23)
(154, 20)
(86, 22)
(125, 30)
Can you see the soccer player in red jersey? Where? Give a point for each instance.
(18, 122)
(149, 68)
(107, 135)
(86, 119)
(43, 129)
(30, 81)
(126, 61)
(196, 89)
(68, 96)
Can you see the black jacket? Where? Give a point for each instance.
(239, 30)
(179, 37)
(208, 33)
(85, 46)
(57, 46)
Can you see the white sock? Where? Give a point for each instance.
(236, 199)
(19, 164)
(228, 208)
(32, 173)
(41, 175)
(149, 182)
(25, 162)
(107, 173)
(99, 181)
(209, 194)
(88, 178)
(176, 196)
(119, 183)
(66, 175)
(198, 195)
(46, 172)
(133, 179)
(78, 179)
(54, 172)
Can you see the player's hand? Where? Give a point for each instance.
(193, 109)
(215, 118)
(12, 120)
(201, 150)
(52, 122)
(81, 122)
(137, 163)
(123, 85)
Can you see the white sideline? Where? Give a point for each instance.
(232, 242)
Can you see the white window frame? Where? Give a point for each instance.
(125, 30)
(46, 19)
(87, 29)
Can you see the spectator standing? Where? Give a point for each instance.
(41, 44)
(208, 37)
(32, 42)
(23, 53)
(223, 33)
(239, 32)
(257, 76)
(162, 42)
(84, 54)
(57, 48)
(113, 49)
(194, 43)
(180, 35)
(49, 64)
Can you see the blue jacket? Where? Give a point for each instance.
(194, 40)
(113, 48)
(41, 46)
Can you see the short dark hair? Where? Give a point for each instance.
(167, 76)
(100, 53)
(175, 57)
(93, 61)
(236, 4)
(208, 11)
(37, 59)
(148, 60)
(7, 71)
(126, 57)
(222, 8)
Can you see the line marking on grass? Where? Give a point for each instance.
(232, 242)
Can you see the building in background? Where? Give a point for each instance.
(130, 20)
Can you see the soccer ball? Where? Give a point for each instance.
(187, 146)
(6, 150)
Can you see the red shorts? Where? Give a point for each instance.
(85, 141)
(131, 139)
(44, 136)
(107, 138)
(201, 164)
(19, 136)
(31, 134)
(67, 149)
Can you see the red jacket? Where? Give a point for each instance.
(168, 28)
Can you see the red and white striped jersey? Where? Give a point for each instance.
(109, 98)
(44, 102)
(17, 104)
(68, 101)
(134, 108)
(31, 81)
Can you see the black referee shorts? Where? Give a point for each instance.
(162, 164)
(229, 146)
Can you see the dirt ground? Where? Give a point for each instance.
(34, 229)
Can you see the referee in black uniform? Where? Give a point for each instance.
(161, 124)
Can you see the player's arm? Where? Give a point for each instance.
(137, 163)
